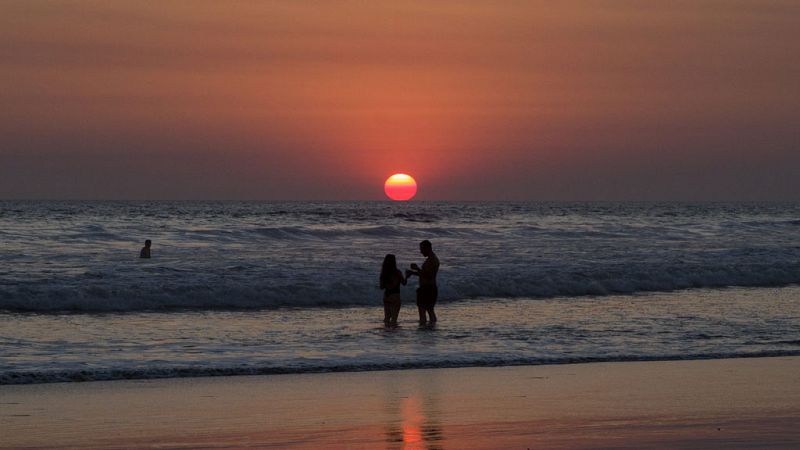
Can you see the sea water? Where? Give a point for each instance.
(240, 287)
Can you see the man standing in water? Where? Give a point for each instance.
(145, 252)
(427, 291)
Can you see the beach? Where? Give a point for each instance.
(723, 403)
(259, 325)
(399, 224)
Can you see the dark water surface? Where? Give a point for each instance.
(237, 287)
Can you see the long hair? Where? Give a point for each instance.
(388, 270)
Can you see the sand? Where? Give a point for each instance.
(733, 403)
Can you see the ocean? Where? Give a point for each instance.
(237, 288)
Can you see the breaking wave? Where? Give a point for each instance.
(82, 256)
(240, 287)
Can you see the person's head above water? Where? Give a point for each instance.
(388, 269)
(145, 253)
(426, 248)
(389, 263)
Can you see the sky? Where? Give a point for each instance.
(323, 100)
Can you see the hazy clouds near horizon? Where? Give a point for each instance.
(574, 100)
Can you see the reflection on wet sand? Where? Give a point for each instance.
(414, 419)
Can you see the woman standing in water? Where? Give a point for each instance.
(391, 279)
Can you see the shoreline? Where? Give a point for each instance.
(717, 403)
(110, 375)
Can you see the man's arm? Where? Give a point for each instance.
(428, 270)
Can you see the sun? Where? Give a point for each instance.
(400, 187)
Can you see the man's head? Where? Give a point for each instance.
(147, 243)
(426, 248)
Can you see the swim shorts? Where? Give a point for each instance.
(426, 296)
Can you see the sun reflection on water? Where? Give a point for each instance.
(414, 413)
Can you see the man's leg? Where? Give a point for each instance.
(434, 295)
(431, 314)
(420, 305)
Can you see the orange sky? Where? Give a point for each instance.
(573, 100)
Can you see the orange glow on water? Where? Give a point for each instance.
(412, 423)
(400, 187)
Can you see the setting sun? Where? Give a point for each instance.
(400, 187)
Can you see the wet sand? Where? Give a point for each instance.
(733, 403)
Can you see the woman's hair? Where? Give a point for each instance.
(388, 270)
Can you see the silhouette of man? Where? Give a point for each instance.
(145, 253)
(427, 292)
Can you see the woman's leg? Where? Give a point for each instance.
(395, 312)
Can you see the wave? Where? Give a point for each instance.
(425, 228)
(64, 376)
(342, 232)
(218, 255)
(243, 287)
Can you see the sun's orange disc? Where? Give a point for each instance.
(400, 187)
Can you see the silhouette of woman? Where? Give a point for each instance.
(391, 279)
